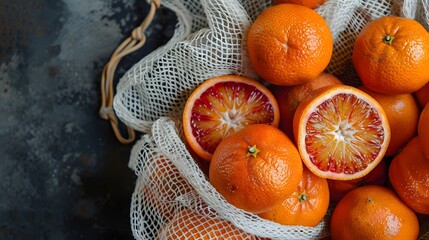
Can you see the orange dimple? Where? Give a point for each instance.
(391, 55)
(255, 168)
(289, 44)
(306, 206)
(373, 212)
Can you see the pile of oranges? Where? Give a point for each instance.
(303, 140)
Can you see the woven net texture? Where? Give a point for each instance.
(173, 198)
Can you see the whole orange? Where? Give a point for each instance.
(288, 98)
(391, 55)
(190, 225)
(289, 44)
(306, 206)
(308, 3)
(402, 112)
(422, 95)
(256, 168)
(338, 188)
(423, 130)
(409, 176)
(373, 212)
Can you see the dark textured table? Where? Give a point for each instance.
(63, 175)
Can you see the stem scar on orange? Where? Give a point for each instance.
(341, 132)
(307, 205)
(223, 105)
(391, 55)
(256, 168)
(373, 212)
(289, 44)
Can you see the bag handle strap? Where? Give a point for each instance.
(131, 44)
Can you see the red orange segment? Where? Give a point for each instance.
(341, 132)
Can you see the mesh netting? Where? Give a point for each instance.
(172, 192)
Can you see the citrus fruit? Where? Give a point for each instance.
(306, 206)
(422, 95)
(339, 188)
(288, 98)
(423, 130)
(308, 3)
(289, 44)
(373, 212)
(341, 132)
(256, 168)
(190, 225)
(391, 55)
(402, 112)
(164, 184)
(409, 176)
(223, 105)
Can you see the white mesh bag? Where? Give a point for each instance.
(210, 40)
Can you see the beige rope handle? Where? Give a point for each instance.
(131, 44)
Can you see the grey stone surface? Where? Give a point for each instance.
(63, 175)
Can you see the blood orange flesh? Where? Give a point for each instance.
(341, 132)
(223, 105)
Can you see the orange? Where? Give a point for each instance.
(409, 176)
(308, 3)
(190, 225)
(164, 185)
(423, 130)
(289, 44)
(223, 105)
(306, 206)
(402, 112)
(341, 132)
(373, 212)
(422, 95)
(391, 55)
(339, 188)
(256, 168)
(288, 98)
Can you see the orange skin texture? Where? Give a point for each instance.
(256, 183)
(403, 113)
(192, 226)
(288, 98)
(308, 3)
(422, 95)
(409, 174)
(373, 212)
(423, 130)
(289, 44)
(338, 189)
(305, 211)
(397, 68)
(320, 135)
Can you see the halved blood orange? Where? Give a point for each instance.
(223, 105)
(341, 132)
